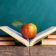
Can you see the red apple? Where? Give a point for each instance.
(29, 30)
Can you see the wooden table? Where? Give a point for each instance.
(24, 51)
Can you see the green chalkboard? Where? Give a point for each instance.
(40, 12)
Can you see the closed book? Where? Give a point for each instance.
(6, 38)
(51, 36)
(48, 41)
(7, 43)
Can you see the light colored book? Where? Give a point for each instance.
(48, 41)
(51, 36)
(24, 41)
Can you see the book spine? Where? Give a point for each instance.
(51, 38)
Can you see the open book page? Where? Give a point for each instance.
(42, 34)
(14, 34)
(14, 31)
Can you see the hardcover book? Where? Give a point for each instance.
(6, 38)
(48, 41)
(52, 36)
(7, 43)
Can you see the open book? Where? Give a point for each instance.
(27, 43)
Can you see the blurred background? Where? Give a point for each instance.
(42, 13)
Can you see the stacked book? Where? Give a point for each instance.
(6, 40)
(51, 40)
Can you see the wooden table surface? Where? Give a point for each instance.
(24, 51)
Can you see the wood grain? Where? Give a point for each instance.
(24, 51)
(43, 50)
(12, 51)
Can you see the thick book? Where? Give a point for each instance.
(51, 36)
(24, 41)
(48, 41)
(6, 38)
(7, 43)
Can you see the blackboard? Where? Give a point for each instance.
(40, 12)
